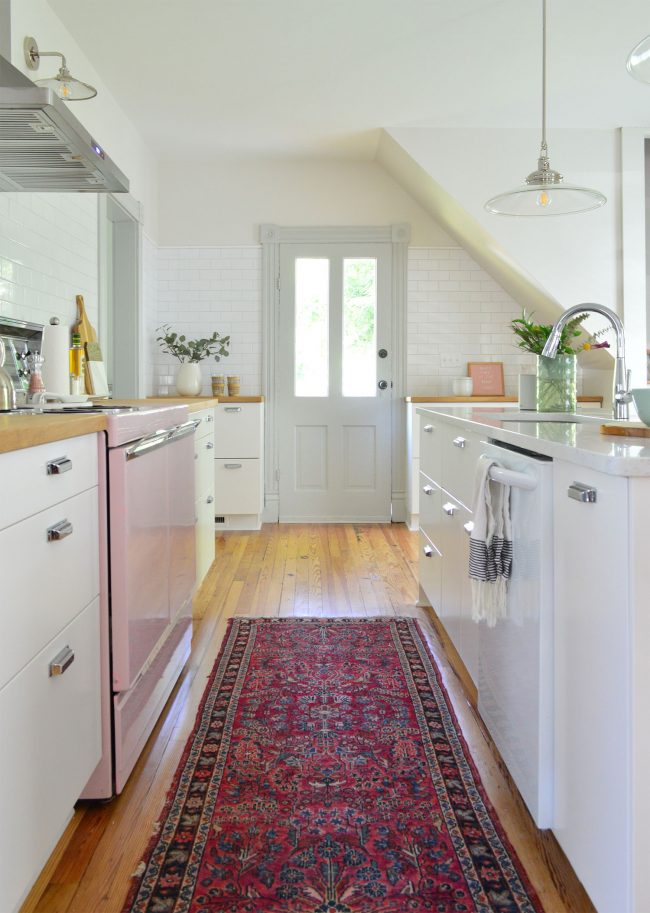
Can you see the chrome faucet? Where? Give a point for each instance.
(621, 396)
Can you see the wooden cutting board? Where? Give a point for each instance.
(87, 331)
(626, 429)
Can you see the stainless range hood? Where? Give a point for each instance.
(43, 147)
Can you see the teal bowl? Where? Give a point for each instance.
(641, 396)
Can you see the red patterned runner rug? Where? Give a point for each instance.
(326, 774)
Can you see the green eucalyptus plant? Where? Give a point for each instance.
(192, 350)
(533, 336)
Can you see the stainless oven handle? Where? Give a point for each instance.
(183, 430)
(159, 439)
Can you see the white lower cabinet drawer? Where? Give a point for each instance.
(48, 581)
(49, 473)
(237, 486)
(51, 743)
(203, 465)
(430, 571)
(238, 429)
(204, 512)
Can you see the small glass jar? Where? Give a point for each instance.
(556, 383)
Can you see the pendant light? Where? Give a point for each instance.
(638, 63)
(545, 193)
(64, 83)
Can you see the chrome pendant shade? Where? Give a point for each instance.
(544, 192)
(64, 84)
(638, 63)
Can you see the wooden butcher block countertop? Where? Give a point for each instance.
(20, 431)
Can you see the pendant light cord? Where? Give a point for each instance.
(544, 146)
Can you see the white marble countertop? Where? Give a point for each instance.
(582, 444)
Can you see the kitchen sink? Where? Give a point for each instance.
(526, 416)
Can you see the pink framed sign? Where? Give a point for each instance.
(487, 377)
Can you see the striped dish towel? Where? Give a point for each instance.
(490, 546)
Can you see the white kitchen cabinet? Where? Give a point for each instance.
(50, 716)
(204, 439)
(592, 685)
(447, 463)
(239, 465)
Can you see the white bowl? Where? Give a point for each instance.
(641, 396)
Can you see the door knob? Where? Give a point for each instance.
(382, 353)
(383, 384)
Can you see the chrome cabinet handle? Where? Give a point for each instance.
(427, 489)
(232, 465)
(459, 442)
(449, 508)
(209, 418)
(56, 467)
(232, 409)
(428, 551)
(428, 428)
(209, 445)
(62, 661)
(59, 531)
(468, 527)
(580, 492)
(209, 500)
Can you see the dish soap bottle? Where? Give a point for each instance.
(76, 366)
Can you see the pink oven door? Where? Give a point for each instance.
(151, 509)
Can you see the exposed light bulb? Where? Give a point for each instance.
(65, 90)
(544, 199)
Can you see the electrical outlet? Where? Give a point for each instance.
(450, 361)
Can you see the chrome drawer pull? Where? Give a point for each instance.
(56, 467)
(209, 445)
(209, 500)
(580, 492)
(459, 442)
(428, 551)
(468, 527)
(62, 661)
(428, 428)
(209, 418)
(232, 409)
(59, 531)
(232, 465)
(427, 489)
(449, 508)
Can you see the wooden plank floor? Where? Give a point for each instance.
(285, 570)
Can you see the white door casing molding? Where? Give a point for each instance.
(271, 237)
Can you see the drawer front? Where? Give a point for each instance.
(26, 487)
(431, 516)
(51, 743)
(237, 486)
(431, 435)
(238, 430)
(205, 545)
(45, 584)
(206, 418)
(430, 571)
(460, 453)
(203, 466)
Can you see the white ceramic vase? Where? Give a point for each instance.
(188, 379)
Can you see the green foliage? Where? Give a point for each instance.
(360, 303)
(193, 350)
(533, 336)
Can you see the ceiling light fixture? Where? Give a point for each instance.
(638, 63)
(63, 84)
(545, 193)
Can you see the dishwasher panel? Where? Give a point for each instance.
(515, 677)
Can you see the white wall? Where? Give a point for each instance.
(575, 258)
(224, 201)
(101, 116)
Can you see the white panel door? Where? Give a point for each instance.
(335, 383)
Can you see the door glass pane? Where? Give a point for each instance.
(360, 326)
(312, 327)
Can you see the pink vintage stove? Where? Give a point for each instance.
(148, 573)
